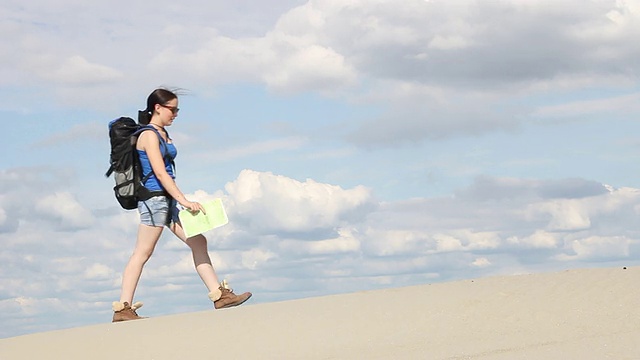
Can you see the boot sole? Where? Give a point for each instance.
(121, 320)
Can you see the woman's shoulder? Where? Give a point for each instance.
(149, 134)
(146, 139)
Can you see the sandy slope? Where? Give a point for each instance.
(577, 314)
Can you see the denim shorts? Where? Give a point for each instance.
(158, 211)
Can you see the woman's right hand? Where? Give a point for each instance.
(193, 206)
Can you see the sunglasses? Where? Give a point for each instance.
(174, 110)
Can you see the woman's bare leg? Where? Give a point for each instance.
(201, 259)
(147, 239)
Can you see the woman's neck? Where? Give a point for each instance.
(160, 127)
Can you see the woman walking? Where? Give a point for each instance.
(156, 152)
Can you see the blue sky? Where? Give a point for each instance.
(356, 145)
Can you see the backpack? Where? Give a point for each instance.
(125, 163)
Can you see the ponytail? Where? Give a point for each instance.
(144, 117)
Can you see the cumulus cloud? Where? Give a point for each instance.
(540, 239)
(254, 258)
(437, 69)
(481, 262)
(19, 184)
(282, 61)
(564, 215)
(288, 238)
(310, 67)
(270, 203)
(98, 272)
(597, 248)
(63, 208)
(547, 219)
(76, 70)
(424, 60)
(7, 223)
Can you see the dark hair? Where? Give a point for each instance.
(157, 97)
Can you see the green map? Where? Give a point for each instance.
(194, 224)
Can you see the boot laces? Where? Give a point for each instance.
(225, 286)
(135, 307)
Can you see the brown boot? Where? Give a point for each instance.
(124, 312)
(223, 297)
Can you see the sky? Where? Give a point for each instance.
(356, 145)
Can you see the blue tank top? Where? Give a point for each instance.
(169, 153)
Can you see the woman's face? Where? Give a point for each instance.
(168, 111)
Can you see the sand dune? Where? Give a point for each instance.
(576, 314)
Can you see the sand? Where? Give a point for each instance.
(575, 314)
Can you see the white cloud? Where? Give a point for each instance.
(447, 243)
(256, 148)
(538, 240)
(3, 217)
(177, 267)
(389, 242)
(310, 68)
(123, 221)
(344, 243)
(99, 272)
(565, 214)
(284, 62)
(481, 262)
(597, 247)
(70, 265)
(28, 306)
(423, 59)
(254, 258)
(336, 240)
(76, 70)
(448, 42)
(272, 203)
(63, 207)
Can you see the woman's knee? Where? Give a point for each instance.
(197, 242)
(142, 255)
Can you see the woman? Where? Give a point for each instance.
(156, 152)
